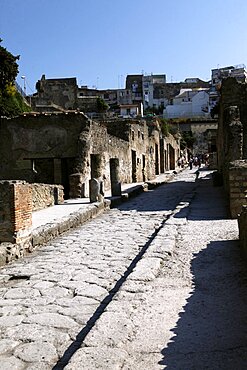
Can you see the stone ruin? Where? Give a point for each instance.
(232, 150)
(48, 157)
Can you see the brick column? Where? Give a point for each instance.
(15, 211)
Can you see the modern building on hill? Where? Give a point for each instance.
(218, 75)
(148, 86)
(238, 71)
(188, 103)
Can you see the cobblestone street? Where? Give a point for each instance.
(157, 283)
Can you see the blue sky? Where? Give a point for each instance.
(101, 41)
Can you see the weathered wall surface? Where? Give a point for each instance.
(232, 149)
(45, 195)
(28, 144)
(62, 92)
(57, 149)
(237, 186)
(232, 126)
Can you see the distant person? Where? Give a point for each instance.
(197, 174)
(182, 161)
(191, 163)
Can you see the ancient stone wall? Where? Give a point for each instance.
(232, 143)
(232, 127)
(29, 144)
(60, 91)
(44, 195)
(237, 186)
(232, 123)
(57, 149)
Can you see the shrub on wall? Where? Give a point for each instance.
(12, 105)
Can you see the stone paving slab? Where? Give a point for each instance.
(192, 315)
(50, 222)
(112, 291)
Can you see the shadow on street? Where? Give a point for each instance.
(211, 332)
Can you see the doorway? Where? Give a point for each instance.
(133, 161)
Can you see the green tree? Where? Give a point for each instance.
(11, 102)
(101, 105)
(8, 67)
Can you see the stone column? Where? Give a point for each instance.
(76, 186)
(115, 177)
(96, 184)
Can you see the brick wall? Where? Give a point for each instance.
(15, 211)
(17, 201)
(237, 186)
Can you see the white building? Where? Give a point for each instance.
(131, 110)
(189, 103)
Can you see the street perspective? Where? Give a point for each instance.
(157, 282)
(123, 210)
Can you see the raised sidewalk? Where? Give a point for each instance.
(50, 222)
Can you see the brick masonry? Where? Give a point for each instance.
(15, 210)
(17, 201)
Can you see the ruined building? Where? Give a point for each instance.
(46, 157)
(61, 148)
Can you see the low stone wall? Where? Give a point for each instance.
(237, 186)
(15, 211)
(242, 224)
(17, 201)
(45, 195)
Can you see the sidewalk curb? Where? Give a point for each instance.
(43, 234)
